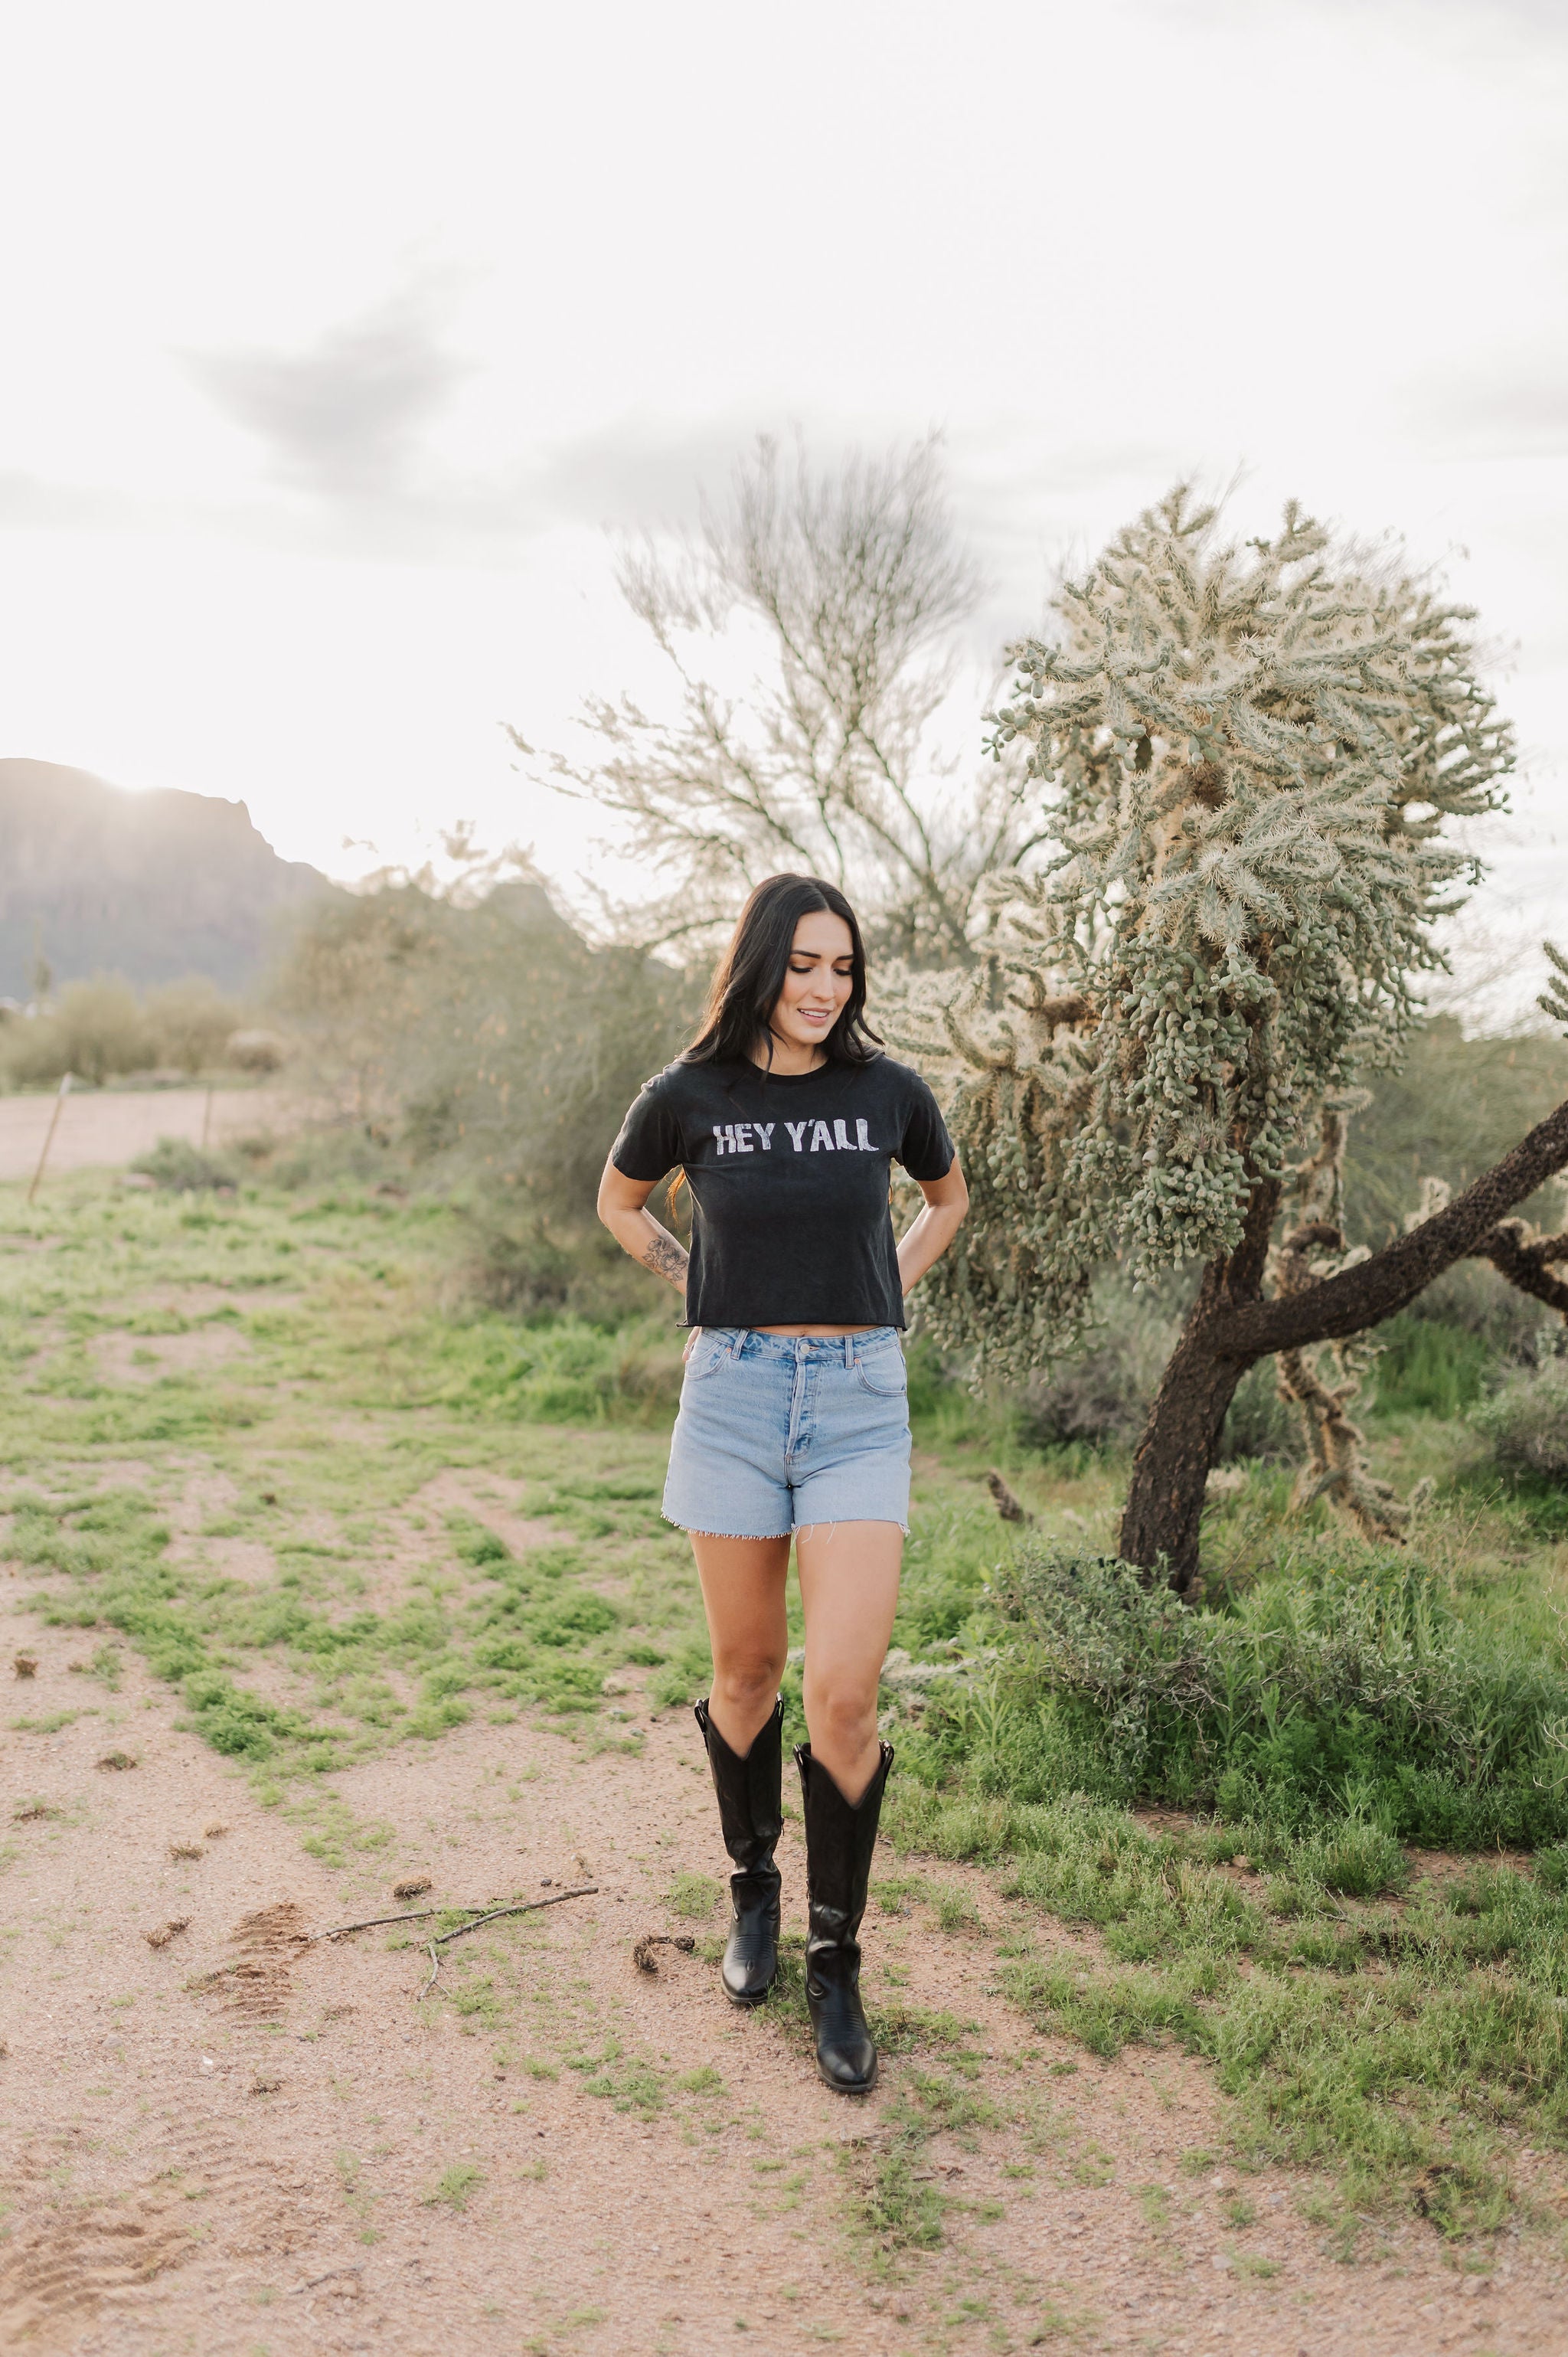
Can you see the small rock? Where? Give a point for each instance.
(207, 2063)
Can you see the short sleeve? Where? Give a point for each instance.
(925, 1150)
(650, 1140)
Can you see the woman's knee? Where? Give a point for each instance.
(841, 1711)
(747, 1677)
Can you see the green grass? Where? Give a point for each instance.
(1328, 1706)
(349, 1392)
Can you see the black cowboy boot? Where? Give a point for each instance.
(839, 1843)
(751, 1813)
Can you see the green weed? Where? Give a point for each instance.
(455, 2185)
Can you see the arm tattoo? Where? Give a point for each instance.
(664, 1256)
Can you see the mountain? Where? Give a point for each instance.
(151, 885)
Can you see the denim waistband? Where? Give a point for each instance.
(747, 1342)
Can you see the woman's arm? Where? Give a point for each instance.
(947, 1200)
(622, 1201)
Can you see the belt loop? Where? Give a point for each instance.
(849, 1354)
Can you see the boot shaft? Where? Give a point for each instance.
(749, 1790)
(840, 1840)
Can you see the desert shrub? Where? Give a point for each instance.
(1101, 1393)
(1333, 1694)
(98, 1028)
(190, 1023)
(494, 1046)
(1261, 1424)
(1428, 1366)
(181, 1168)
(1526, 1421)
(101, 1030)
(1453, 1109)
(1472, 1297)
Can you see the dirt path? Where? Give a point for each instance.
(240, 2142)
(106, 1128)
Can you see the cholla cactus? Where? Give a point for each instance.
(1247, 758)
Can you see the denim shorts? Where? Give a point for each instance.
(779, 1431)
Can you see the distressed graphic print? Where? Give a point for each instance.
(738, 1137)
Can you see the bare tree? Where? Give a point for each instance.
(832, 605)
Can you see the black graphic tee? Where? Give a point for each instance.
(790, 1176)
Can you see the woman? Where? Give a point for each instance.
(786, 1118)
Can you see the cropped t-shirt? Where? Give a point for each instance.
(789, 1175)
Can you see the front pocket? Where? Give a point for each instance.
(709, 1353)
(885, 1376)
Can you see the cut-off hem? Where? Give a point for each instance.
(799, 1530)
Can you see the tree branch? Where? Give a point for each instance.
(1364, 1296)
(1525, 1264)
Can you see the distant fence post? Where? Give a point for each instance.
(207, 1117)
(49, 1137)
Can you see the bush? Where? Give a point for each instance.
(102, 1031)
(1361, 1694)
(1526, 1421)
(496, 1050)
(1428, 1366)
(191, 1024)
(1260, 1426)
(183, 1168)
(97, 1029)
(1101, 1393)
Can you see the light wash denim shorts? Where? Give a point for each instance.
(777, 1432)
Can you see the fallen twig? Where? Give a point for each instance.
(412, 1915)
(316, 2281)
(519, 1906)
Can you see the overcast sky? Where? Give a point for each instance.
(336, 334)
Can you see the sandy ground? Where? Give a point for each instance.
(229, 2142)
(102, 1129)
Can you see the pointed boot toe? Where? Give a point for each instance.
(750, 1964)
(846, 2051)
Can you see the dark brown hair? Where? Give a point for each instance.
(749, 980)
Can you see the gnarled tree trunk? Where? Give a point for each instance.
(1233, 1325)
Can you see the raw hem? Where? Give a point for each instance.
(692, 1532)
(797, 1530)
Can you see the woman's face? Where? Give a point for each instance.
(817, 982)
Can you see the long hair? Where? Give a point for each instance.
(749, 980)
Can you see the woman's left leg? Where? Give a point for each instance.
(849, 1593)
(849, 1587)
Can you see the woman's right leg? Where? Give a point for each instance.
(743, 1596)
(743, 1590)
